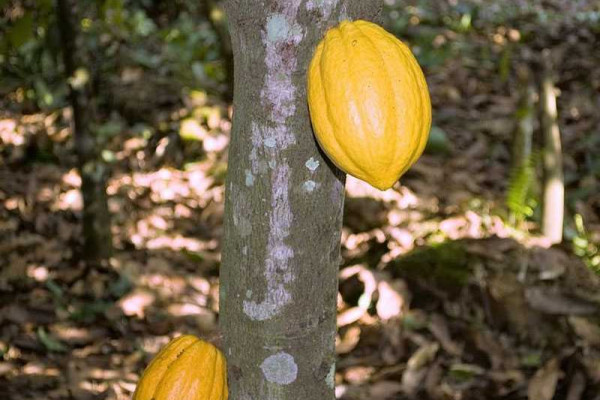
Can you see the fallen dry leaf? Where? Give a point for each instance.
(383, 390)
(577, 386)
(348, 341)
(551, 300)
(439, 329)
(415, 371)
(586, 330)
(357, 375)
(543, 384)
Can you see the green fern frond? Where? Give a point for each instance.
(519, 198)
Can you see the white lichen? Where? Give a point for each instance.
(280, 368)
(279, 28)
(330, 378)
(281, 39)
(278, 94)
(310, 186)
(325, 6)
(249, 178)
(270, 142)
(277, 271)
(312, 164)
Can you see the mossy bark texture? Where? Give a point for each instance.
(283, 206)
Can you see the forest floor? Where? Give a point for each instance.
(440, 297)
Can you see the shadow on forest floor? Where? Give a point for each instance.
(471, 319)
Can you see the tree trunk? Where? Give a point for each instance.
(283, 207)
(554, 188)
(96, 218)
(522, 144)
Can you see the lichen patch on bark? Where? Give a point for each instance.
(312, 164)
(277, 271)
(249, 178)
(269, 141)
(330, 378)
(309, 186)
(280, 368)
(325, 6)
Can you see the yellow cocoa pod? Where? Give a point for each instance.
(185, 369)
(369, 103)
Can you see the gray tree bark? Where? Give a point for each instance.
(97, 237)
(283, 207)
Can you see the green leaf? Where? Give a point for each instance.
(49, 342)
(519, 198)
(120, 287)
(190, 129)
(108, 156)
(21, 31)
(505, 63)
(195, 256)
(110, 128)
(465, 372)
(89, 312)
(44, 6)
(44, 96)
(113, 12)
(54, 288)
(533, 359)
(437, 143)
(79, 79)
(142, 25)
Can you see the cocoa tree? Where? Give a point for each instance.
(283, 207)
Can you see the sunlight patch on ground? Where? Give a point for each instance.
(403, 220)
(402, 196)
(177, 243)
(37, 368)
(70, 200)
(136, 302)
(9, 134)
(165, 286)
(72, 178)
(38, 272)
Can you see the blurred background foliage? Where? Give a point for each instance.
(454, 252)
(174, 40)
